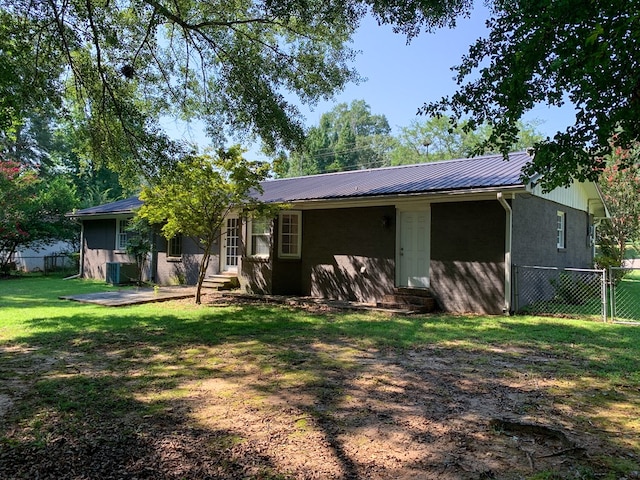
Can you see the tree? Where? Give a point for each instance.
(621, 190)
(195, 198)
(30, 73)
(436, 139)
(139, 243)
(587, 53)
(348, 137)
(70, 155)
(226, 63)
(32, 210)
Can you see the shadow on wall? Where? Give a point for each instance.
(468, 286)
(186, 272)
(257, 276)
(353, 278)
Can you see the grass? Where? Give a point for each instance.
(627, 297)
(78, 361)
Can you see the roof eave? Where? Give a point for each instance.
(388, 198)
(100, 215)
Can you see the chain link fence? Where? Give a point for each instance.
(624, 294)
(560, 291)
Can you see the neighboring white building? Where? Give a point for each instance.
(33, 260)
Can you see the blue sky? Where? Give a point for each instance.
(401, 77)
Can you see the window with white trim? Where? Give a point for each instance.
(290, 234)
(174, 246)
(561, 219)
(259, 237)
(122, 236)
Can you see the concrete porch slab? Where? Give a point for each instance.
(133, 296)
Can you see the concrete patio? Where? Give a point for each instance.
(133, 296)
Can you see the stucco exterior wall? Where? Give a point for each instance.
(347, 254)
(467, 256)
(535, 229)
(99, 245)
(99, 248)
(183, 269)
(287, 272)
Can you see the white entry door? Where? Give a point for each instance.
(231, 245)
(414, 248)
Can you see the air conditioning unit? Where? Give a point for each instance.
(118, 273)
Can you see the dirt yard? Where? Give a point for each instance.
(311, 411)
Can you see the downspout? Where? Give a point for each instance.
(507, 252)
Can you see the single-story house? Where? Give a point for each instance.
(454, 228)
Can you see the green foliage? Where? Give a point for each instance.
(549, 52)
(351, 137)
(621, 190)
(225, 63)
(436, 139)
(32, 210)
(139, 243)
(27, 86)
(348, 137)
(195, 198)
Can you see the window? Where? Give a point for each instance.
(290, 234)
(174, 246)
(260, 241)
(121, 233)
(561, 229)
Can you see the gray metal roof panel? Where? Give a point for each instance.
(482, 172)
(128, 205)
(490, 171)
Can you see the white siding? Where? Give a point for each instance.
(575, 196)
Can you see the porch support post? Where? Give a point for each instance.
(507, 252)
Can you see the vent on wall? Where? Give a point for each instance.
(118, 273)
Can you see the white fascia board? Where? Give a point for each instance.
(405, 200)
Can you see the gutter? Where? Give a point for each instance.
(507, 251)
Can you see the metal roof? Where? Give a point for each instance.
(125, 206)
(490, 171)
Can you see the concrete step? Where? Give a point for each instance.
(414, 299)
(405, 307)
(221, 282)
(414, 292)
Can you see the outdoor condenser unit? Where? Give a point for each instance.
(118, 273)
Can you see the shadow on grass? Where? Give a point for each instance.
(112, 395)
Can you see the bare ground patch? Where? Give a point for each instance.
(319, 410)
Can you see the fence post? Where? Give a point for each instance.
(516, 290)
(603, 289)
(612, 296)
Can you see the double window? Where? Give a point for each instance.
(289, 236)
(561, 227)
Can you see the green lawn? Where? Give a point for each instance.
(627, 298)
(71, 373)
